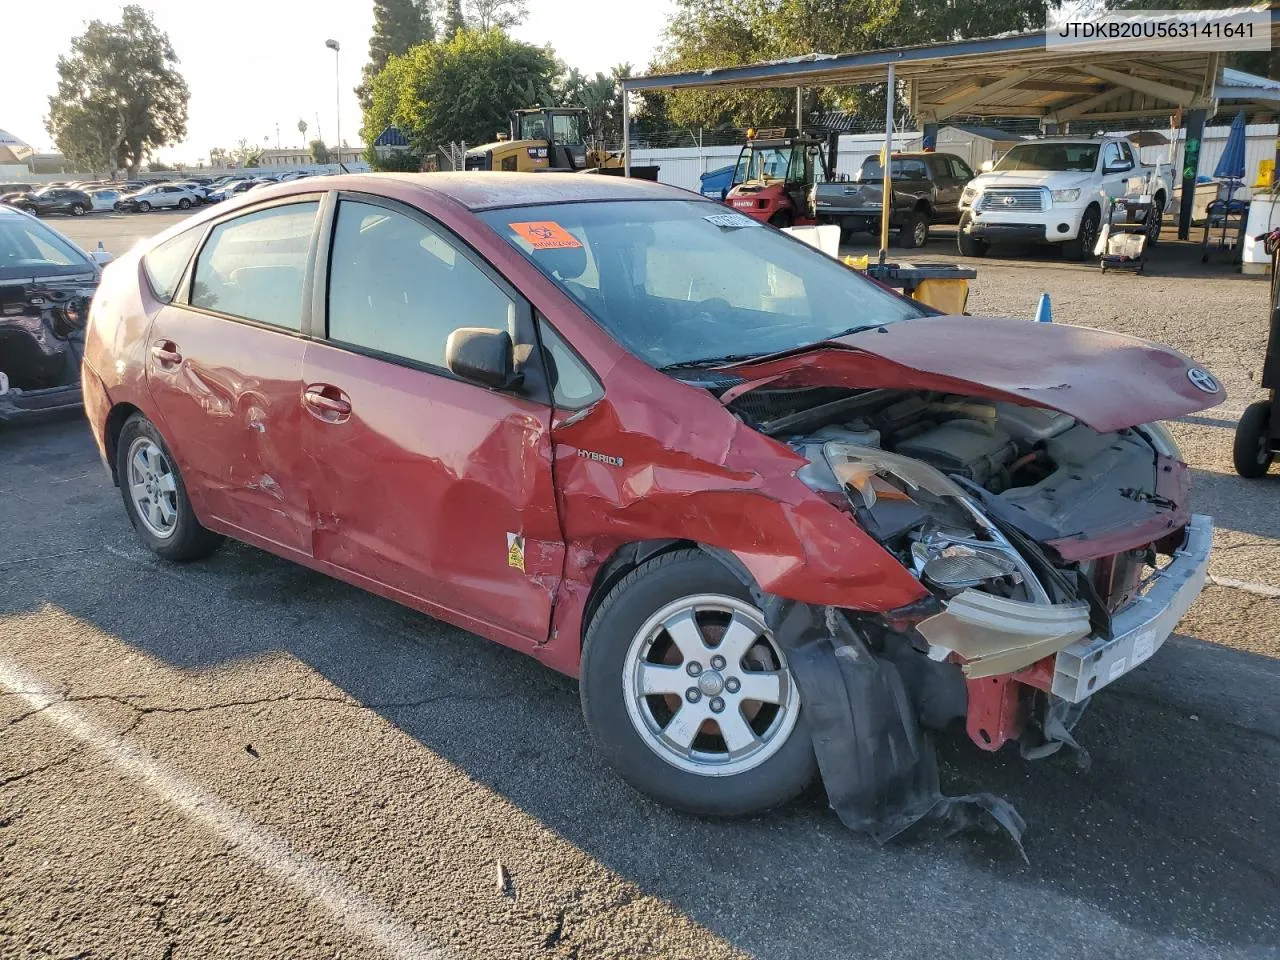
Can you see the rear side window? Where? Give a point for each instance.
(398, 287)
(165, 263)
(254, 266)
(913, 170)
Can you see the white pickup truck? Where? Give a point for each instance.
(1056, 190)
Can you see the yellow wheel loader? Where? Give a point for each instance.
(549, 138)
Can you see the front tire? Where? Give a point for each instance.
(969, 245)
(144, 206)
(155, 498)
(1251, 453)
(1081, 248)
(688, 696)
(184, 204)
(1155, 221)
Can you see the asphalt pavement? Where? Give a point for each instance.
(242, 758)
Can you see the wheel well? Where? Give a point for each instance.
(1160, 200)
(120, 413)
(620, 563)
(923, 206)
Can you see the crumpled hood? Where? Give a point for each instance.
(1106, 380)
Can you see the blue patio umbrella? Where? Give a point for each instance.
(1231, 163)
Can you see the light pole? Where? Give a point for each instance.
(337, 88)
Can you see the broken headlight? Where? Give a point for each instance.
(937, 529)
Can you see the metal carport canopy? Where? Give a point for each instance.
(1012, 75)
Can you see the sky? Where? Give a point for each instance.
(258, 66)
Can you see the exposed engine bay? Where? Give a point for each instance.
(1023, 506)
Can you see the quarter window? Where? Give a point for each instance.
(165, 263)
(398, 287)
(254, 266)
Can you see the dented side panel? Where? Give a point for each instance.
(232, 415)
(705, 477)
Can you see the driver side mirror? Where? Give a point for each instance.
(988, 166)
(1117, 168)
(481, 354)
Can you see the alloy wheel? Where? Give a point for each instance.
(153, 487)
(707, 687)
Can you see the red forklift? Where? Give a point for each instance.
(776, 169)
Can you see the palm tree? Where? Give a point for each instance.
(302, 129)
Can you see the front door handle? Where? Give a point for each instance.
(326, 402)
(166, 352)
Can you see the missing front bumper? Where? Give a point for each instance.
(1141, 628)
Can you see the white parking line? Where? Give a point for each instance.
(1246, 586)
(347, 905)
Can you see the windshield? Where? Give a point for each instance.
(767, 163)
(1076, 157)
(684, 281)
(30, 249)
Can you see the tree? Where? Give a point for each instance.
(397, 26)
(319, 152)
(719, 33)
(302, 129)
(120, 95)
(219, 157)
(503, 14)
(458, 89)
(454, 22)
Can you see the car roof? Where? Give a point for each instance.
(484, 190)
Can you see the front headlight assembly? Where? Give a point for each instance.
(900, 500)
(1066, 196)
(1161, 440)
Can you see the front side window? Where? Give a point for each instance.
(255, 266)
(398, 287)
(165, 263)
(566, 128)
(682, 282)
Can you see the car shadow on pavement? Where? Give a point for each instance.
(1173, 834)
(1246, 506)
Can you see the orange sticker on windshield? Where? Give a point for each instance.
(545, 235)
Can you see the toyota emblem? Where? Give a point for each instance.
(1009, 201)
(1203, 380)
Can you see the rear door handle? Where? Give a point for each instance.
(166, 353)
(327, 402)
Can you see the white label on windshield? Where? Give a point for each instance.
(730, 220)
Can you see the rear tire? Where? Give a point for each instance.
(1251, 453)
(155, 498)
(628, 639)
(914, 232)
(781, 219)
(77, 210)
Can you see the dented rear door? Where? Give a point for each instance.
(224, 371)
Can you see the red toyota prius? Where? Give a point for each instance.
(607, 422)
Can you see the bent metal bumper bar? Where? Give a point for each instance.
(1141, 628)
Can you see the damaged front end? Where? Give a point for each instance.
(1057, 557)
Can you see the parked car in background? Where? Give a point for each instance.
(53, 200)
(926, 190)
(46, 283)
(200, 190)
(1054, 190)
(294, 175)
(106, 198)
(160, 196)
(230, 189)
(8, 188)
(601, 420)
